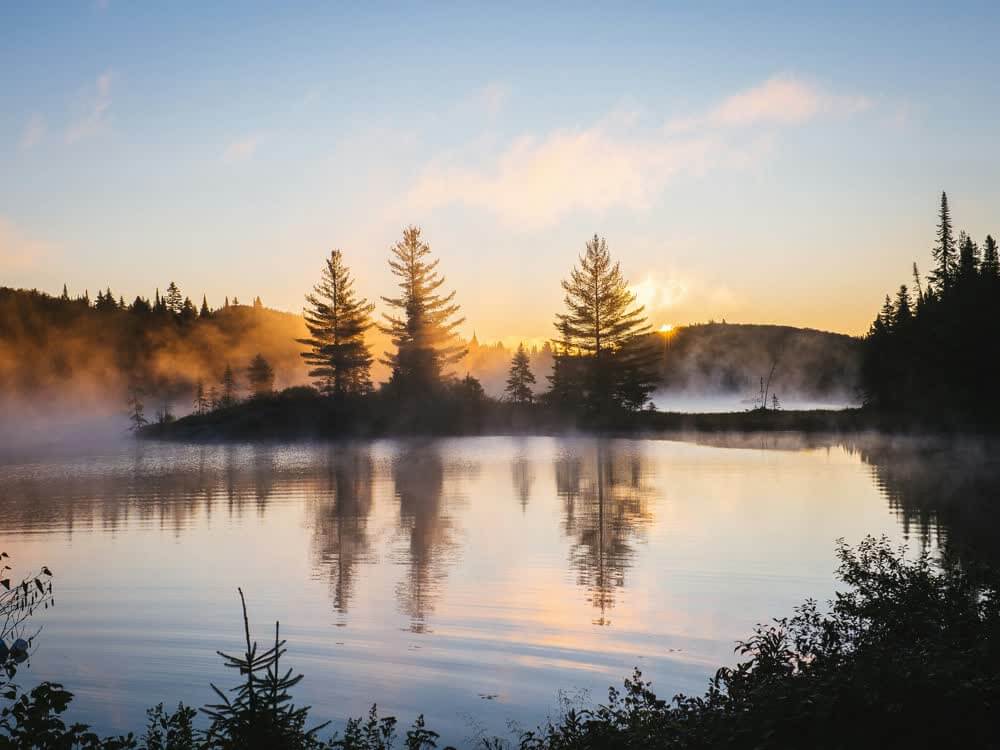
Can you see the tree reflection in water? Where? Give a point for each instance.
(606, 511)
(418, 477)
(340, 519)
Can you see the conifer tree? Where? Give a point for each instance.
(607, 331)
(968, 260)
(65, 293)
(228, 397)
(422, 327)
(944, 251)
(902, 314)
(136, 409)
(200, 399)
(260, 376)
(205, 312)
(520, 379)
(173, 299)
(337, 320)
(990, 268)
(188, 311)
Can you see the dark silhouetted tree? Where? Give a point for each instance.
(520, 379)
(201, 402)
(173, 299)
(338, 319)
(260, 376)
(968, 261)
(205, 312)
(423, 322)
(136, 408)
(228, 397)
(991, 262)
(944, 250)
(605, 333)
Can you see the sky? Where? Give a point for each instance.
(754, 162)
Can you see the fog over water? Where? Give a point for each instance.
(462, 578)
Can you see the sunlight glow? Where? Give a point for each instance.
(666, 328)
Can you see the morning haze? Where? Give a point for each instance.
(405, 376)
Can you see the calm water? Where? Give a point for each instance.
(469, 579)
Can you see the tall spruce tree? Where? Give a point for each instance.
(228, 397)
(990, 268)
(422, 325)
(205, 312)
(902, 313)
(173, 299)
(520, 379)
(337, 319)
(260, 375)
(606, 333)
(944, 251)
(968, 261)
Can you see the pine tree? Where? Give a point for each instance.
(888, 314)
(205, 312)
(173, 299)
(201, 402)
(605, 328)
(990, 267)
(423, 330)
(260, 375)
(944, 251)
(968, 260)
(337, 320)
(520, 379)
(65, 293)
(188, 311)
(257, 304)
(136, 408)
(902, 314)
(228, 397)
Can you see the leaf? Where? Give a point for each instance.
(5, 583)
(39, 586)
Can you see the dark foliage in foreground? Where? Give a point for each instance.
(908, 656)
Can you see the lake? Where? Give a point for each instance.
(481, 581)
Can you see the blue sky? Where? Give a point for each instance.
(779, 163)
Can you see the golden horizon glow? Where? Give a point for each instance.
(666, 328)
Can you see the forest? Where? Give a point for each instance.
(933, 348)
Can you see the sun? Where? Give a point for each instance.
(666, 328)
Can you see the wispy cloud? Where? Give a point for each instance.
(537, 181)
(671, 293)
(241, 149)
(33, 133)
(18, 250)
(93, 105)
(780, 100)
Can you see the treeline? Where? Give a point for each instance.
(906, 656)
(604, 362)
(933, 349)
(75, 351)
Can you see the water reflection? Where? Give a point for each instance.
(945, 492)
(340, 519)
(427, 529)
(606, 510)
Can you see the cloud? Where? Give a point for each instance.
(680, 297)
(781, 100)
(19, 251)
(34, 132)
(242, 149)
(94, 103)
(536, 181)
